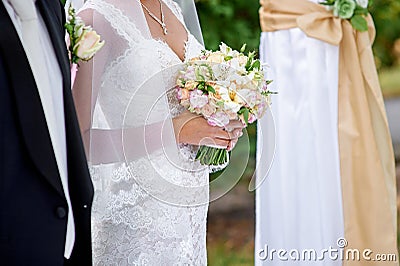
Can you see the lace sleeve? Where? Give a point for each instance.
(188, 152)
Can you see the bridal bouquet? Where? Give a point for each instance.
(221, 86)
(83, 41)
(353, 10)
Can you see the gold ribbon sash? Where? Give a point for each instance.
(366, 154)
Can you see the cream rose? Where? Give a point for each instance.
(87, 45)
(198, 99)
(183, 94)
(216, 58)
(243, 59)
(219, 119)
(208, 110)
(190, 85)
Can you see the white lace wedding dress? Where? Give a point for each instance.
(137, 220)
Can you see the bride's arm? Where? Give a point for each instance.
(194, 130)
(86, 87)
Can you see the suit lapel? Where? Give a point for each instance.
(53, 23)
(29, 108)
(80, 185)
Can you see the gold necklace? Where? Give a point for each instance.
(162, 21)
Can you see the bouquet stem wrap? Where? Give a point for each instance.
(212, 156)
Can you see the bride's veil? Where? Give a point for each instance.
(191, 18)
(188, 10)
(125, 116)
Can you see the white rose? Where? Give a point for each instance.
(247, 96)
(224, 93)
(232, 115)
(261, 108)
(190, 73)
(218, 71)
(225, 49)
(207, 110)
(232, 107)
(219, 119)
(362, 3)
(243, 59)
(198, 99)
(235, 64)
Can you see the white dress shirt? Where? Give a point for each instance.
(53, 106)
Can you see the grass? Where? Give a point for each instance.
(390, 81)
(219, 254)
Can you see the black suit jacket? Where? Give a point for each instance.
(33, 208)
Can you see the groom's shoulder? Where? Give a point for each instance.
(57, 8)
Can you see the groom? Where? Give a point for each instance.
(45, 187)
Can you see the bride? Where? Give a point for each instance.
(151, 196)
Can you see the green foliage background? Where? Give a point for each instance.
(232, 21)
(236, 22)
(386, 14)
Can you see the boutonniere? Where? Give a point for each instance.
(353, 10)
(83, 42)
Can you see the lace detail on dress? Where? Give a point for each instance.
(132, 228)
(116, 19)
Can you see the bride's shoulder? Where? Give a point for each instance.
(97, 8)
(88, 11)
(105, 13)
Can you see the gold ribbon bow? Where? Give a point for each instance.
(366, 153)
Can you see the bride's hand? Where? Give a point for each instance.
(193, 129)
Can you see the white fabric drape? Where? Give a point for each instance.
(299, 204)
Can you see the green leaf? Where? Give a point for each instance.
(69, 28)
(199, 76)
(245, 112)
(210, 89)
(256, 65)
(243, 48)
(328, 2)
(250, 61)
(359, 23)
(201, 85)
(75, 59)
(360, 11)
(246, 116)
(227, 58)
